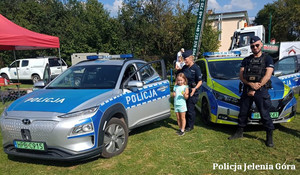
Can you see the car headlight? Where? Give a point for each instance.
(288, 97)
(90, 111)
(226, 98)
(82, 129)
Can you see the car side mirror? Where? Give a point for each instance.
(134, 85)
(39, 85)
(277, 73)
(137, 84)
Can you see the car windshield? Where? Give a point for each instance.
(225, 70)
(87, 77)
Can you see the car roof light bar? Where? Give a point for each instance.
(222, 54)
(108, 57)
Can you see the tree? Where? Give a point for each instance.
(285, 19)
(150, 29)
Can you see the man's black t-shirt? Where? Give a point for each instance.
(268, 63)
(268, 60)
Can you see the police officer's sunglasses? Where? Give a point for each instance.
(254, 45)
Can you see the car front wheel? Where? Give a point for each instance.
(205, 114)
(115, 138)
(4, 76)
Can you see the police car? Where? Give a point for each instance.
(288, 70)
(88, 110)
(220, 94)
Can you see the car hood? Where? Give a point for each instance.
(56, 100)
(231, 88)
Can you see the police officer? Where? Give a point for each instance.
(194, 77)
(255, 73)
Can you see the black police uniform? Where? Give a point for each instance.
(193, 75)
(261, 96)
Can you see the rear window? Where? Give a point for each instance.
(53, 62)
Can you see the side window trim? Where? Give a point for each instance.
(139, 68)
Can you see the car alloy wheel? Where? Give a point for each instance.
(35, 78)
(205, 114)
(115, 138)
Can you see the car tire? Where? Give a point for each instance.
(4, 76)
(35, 78)
(205, 113)
(115, 138)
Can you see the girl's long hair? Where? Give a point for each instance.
(182, 76)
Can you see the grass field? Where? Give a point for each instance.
(157, 149)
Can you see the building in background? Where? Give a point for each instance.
(227, 23)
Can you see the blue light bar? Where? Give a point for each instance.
(222, 54)
(124, 56)
(92, 57)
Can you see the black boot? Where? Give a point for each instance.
(237, 134)
(269, 141)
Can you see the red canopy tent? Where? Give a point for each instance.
(14, 37)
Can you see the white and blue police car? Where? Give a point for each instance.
(88, 110)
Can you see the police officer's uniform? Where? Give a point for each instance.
(193, 75)
(254, 71)
(261, 96)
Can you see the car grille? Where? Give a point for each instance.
(39, 129)
(276, 106)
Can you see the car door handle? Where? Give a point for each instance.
(58, 67)
(162, 89)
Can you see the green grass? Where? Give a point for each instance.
(156, 149)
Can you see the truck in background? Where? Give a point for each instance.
(77, 57)
(33, 68)
(240, 41)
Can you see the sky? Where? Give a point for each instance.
(218, 6)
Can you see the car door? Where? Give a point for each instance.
(12, 68)
(57, 66)
(150, 101)
(24, 70)
(287, 70)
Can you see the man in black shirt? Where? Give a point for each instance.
(194, 77)
(255, 73)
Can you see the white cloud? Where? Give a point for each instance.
(227, 8)
(113, 9)
(214, 5)
(234, 5)
(245, 4)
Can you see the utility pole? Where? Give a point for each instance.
(199, 27)
(270, 26)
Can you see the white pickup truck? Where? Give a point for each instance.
(33, 68)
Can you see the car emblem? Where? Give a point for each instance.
(26, 121)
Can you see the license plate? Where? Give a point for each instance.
(40, 146)
(256, 115)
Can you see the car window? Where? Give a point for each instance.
(88, 77)
(15, 64)
(225, 70)
(129, 71)
(24, 63)
(244, 39)
(202, 66)
(146, 72)
(287, 65)
(56, 62)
